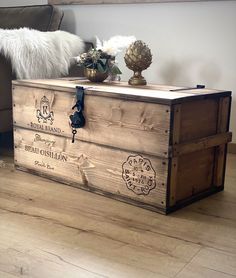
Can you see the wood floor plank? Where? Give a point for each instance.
(97, 234)
(140, 219)
(39, 240)
(74, 209)
(34, 265)
(51, 230)
(222, 262)
(216, 208)
(44, 201)
(8, 275)
(195, 271)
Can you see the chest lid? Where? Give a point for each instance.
(161, 94)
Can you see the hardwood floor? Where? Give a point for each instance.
(49, 230)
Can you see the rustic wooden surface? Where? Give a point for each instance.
(152, 93)
(195, 173)
(127, 125)
(51, 230)
(174, 141)
(123, 121)
(90, 166)
(198, 119)
(71, 82)
(222, 126)
(201, 144)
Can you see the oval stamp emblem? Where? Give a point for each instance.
(44, 112)
(138, 174)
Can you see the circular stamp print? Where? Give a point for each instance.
(138, 174)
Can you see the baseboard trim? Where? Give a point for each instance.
(232, 148)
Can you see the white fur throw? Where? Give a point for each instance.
(34, 54)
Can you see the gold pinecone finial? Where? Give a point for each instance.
(138, 57)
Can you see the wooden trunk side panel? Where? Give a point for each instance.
(204, 123)
(173, 181)
(198, 119)
(201, 144)
(195, 172)
(223, 114)
(220, 151)
(176, 118)
(111, 122)
(92, 166)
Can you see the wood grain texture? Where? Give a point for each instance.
(220, 261)
(129, 125)
(71, 82)
(89, 166)
(161, 94)
(51, 230)
(195, 173)
(201, 144)
(173, 181)
(223, 114)
(127, 140)
(174, 141)
(196, 271)
(155, 93)
(220, 152)
(198, 119)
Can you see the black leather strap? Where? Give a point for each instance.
(188, 88)
(77, 119)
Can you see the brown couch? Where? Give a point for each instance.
(42, 18)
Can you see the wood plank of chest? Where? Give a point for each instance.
(72, 82)
(161, 94)
(130, 125)
(85, 165)
(156, 93)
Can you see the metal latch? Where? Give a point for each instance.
(77, 119)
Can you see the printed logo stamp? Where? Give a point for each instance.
(44, 114)
(139, 175)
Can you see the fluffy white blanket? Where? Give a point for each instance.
(34, 54)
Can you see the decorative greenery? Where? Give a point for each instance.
(99, 60)
(102, 58)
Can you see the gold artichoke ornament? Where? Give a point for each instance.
(138, 57)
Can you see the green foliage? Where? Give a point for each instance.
(99, 60)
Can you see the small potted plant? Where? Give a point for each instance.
(99, 62)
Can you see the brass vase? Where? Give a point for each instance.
(94, 75)
(138, 57)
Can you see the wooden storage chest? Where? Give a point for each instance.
(158, 147)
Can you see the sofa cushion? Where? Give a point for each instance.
(5, 82)
(42, 18)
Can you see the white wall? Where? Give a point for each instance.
(192, 42)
